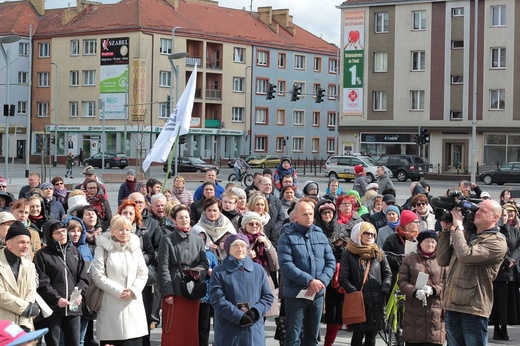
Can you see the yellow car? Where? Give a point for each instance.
(264, 161)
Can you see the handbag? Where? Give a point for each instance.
(94, 294)
(190, 288)
(353, 304)
(153, 277)
(335, 281)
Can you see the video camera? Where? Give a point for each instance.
(455, 199)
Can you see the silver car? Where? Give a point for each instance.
(342, 167)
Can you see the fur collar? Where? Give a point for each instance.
(105, 241)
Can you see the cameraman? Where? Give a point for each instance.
(474, 259)
(467, 186)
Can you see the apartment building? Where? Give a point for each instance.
(415, 65)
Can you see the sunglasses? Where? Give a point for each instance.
(420, 204)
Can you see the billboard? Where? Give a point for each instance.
(353, 62)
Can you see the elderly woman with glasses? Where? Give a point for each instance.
(423, 210)
(347, 215)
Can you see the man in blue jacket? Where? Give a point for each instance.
(307, 263)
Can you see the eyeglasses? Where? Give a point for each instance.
(60, 183)
(253, 224)
(345, 203)
(369, 234)
(420, 204)
(3, 186)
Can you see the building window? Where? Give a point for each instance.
(457, 79)
(333, 65)
(280, 117)
(418, 60)
(298, 144)
(280, 143)
(261, 143)
(315, 88)
(457, 11)
(22, 108)
(331, 119)
(89, 109)
(331, 145)
(261, 116)
(261, 86)
(457, 44)
(43, 109)
(380, 62)
(497, 99)
(381, 22)
(498, 57)
(74, 78)
(165, 78)
(74, 47)
(44, 50)
(317, 64)
(165, 46)
(282, 60)
(73, 109)
(89, 77)
(298, 118)
(498, 15)
(315, 145)
(239, 54)
(23, 77)
(43, 79)
(280, 88)
(262, 58)
(238, 84)
(164, 109)
(89, 47)
(332, 91)
(417, 100)
(23, 49)
(379, 100)
(299, 62)
(419, 20)
(316, 118)
(237, 114)
(455, 115)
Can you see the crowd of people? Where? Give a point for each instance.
(171, 257)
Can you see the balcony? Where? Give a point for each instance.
(213, 94)
(193, 61)
(211, 123)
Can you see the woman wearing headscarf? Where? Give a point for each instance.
(180, 250)
(240, 294)
(423, 314)
(60, 191)
(362, 255)
(392, 214)
(346, 213)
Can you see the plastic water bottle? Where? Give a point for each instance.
(73, 297)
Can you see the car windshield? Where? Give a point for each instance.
(121, 155)
(197, 160)
(253, 157)
(369, 160)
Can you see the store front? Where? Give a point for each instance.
(377, 144)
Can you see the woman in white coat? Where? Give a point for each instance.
(120, 271)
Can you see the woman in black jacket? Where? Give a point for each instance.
(60, 269)
(363, 254)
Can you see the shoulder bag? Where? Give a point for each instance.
(94, 294)
(190, 288)
(354, 305)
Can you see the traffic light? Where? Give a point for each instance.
(425, 136)
(417, 139)
(296, 92)
(319, 95)
(182, 139)
(270, 92)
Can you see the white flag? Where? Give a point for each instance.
(178, 124)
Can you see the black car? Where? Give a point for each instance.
(190, 164)
(112, 159)
(508, 173)
(404, 167)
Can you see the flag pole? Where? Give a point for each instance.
(168, 171)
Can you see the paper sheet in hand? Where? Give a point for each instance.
(303, 293)
(409, 247)
(422, 280)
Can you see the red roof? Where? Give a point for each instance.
(16, 18)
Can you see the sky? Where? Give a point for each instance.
(321, 18)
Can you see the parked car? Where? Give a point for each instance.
(190, 164)
(405, 167)
(264, 161)
(508, 173)
(342, 167)
(112, 159)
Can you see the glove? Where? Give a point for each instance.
(253, 315)
(245, 321)
(419, 294)
(428, 290)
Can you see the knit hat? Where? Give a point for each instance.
(6, 217)
(46, 185)
(89, 170)
(76, 202)
(388, 198)
(407, 216)
(359, 169)
(285, 158)
(12, 334)
(248, 216)
(394, 209)
(372, 186)
(309, 186)
(359, 229)
(267, 171)
(16, 229)
(426, 234)
(234, 238)
(327, 206)
(130, 172)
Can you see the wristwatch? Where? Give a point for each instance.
(458, 228)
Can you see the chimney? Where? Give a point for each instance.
(283, 18)
(265, 15)
(39, 6)
(173, 3)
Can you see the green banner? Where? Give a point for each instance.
(354, 68)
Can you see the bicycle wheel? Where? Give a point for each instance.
(231, 177)
(248, 180)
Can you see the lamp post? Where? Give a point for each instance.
(56, 108)
(7, 39)
(475, 94)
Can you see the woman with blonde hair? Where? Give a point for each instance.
(179, 191)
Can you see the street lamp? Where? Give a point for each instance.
(7, 39)
(56, 108)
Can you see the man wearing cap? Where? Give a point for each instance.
(211, 176)
(34, 182)
(12, 334)
(53, 208)
(6, 220)
(360, 183)
(90, 173)
(474, 257)
(383, 180)
(379, 219)
(127, 187)
(17, 278)
(485, 195)
(282, 169)
(307, 266)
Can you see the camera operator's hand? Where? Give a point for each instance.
(457, 218)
